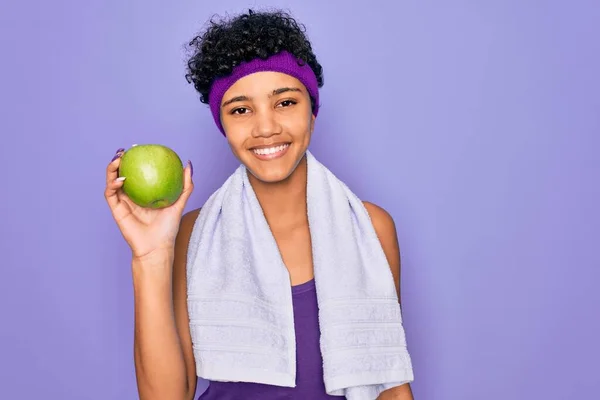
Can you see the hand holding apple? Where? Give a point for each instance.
(147, 188)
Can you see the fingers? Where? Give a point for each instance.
(113, 167)
(188, 185)
(113, 182)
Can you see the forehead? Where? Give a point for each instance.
(262, 83)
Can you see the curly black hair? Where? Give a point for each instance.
(227, 43)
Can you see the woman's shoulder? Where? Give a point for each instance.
(382, 220)
(189, 218)
(186, 226)
(385, 228)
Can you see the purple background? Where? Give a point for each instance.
(475, 124)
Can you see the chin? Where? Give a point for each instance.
(272, 168)
(270, 176)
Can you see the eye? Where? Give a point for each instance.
(240, 110)
(287, 103)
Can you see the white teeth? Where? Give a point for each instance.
(270, 150)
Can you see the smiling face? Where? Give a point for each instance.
(268, 120)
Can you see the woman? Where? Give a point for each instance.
(267, 115)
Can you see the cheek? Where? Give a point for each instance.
(235, 143)
(299, 125)
(235, 136)
(235, 132)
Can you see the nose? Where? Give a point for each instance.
(266, 124)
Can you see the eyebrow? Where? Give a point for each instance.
(274, 93)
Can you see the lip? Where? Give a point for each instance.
(272, 156)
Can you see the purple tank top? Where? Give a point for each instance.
(309, 367)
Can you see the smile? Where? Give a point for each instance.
(270, 153)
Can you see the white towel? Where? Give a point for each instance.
(240, 300)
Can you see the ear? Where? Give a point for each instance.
(312, 122)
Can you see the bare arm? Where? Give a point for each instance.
(386, 232)
(164, 360)
(158, 241)
(182, 319)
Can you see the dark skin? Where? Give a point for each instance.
(293, 238)
(253, 116)
(267, 109)
(292, 235)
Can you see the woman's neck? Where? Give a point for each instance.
(284, 202)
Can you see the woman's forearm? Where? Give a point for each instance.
(159, 362)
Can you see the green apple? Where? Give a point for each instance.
(153, 175)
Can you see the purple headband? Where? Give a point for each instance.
(282, 62)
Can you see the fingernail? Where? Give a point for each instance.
(191, 168)
(120, 150)
(116, 156)
(119, 179)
